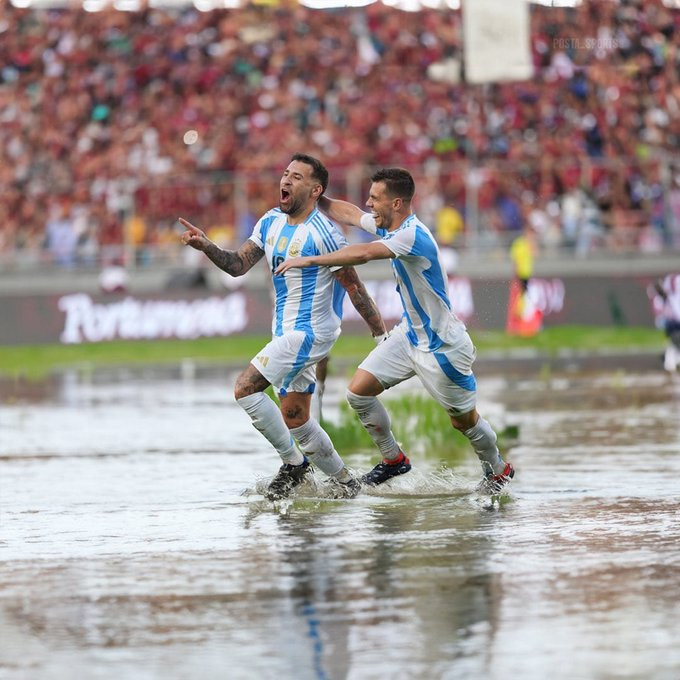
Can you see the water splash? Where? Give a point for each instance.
(418, 483)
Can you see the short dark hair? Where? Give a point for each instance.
(319, 171)
(399, 182)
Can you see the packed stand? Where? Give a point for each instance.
(113, 123)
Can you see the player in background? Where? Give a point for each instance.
(667, 307)
(305, 324)
(430, 341)
(523, 317)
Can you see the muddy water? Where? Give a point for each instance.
(134, 542)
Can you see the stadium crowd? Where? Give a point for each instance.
(113, 123)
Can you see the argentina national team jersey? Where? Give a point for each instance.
(308, 299)
(423, 286)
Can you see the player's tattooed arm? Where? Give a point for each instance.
(234, 262)
(362, 301)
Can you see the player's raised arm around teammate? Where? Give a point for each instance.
(234, 262)
(359, 253)
(347, 213)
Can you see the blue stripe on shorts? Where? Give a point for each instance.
(467, 382)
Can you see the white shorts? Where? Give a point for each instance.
(288, 361)
(446, 375)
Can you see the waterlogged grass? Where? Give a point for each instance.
(419, 424)
(578, 338)
(38, 361)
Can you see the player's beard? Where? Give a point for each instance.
(294, 207)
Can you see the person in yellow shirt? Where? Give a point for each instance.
(523, 317)
(449, 224)
(522, 252)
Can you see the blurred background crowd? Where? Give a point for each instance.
(114, 123)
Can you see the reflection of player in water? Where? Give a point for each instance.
(336, 603)
(667, 312)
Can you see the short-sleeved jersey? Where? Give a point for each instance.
(308, 299)
(423, 286)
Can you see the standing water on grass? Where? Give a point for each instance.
(135, 541)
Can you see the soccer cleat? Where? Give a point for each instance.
(494, 484)
(288, 477)
(387, 469)
(348, 489)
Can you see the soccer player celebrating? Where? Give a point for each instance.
(306, 323)
(430, 341)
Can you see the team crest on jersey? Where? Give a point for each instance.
(281, 245)
(294, 249)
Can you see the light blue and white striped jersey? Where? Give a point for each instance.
(423, 286)
(307, 299)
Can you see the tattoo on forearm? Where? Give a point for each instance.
(234, 262)
(361, 300)
(227, 260)
(368, 310)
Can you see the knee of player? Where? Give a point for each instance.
(357, 401)
(239, 391)
(464, 421)
(242, 388)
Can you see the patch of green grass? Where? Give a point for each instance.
(419, 424)
(38, 361)
(553, 339)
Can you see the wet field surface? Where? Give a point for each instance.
(134, 542)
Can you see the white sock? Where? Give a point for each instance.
(376, 420)
(483, 440)
(318, 446)
(268, 420)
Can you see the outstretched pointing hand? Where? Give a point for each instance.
(193, 236)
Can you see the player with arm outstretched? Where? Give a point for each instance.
(430, 341)
(305, 324)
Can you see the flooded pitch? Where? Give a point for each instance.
(134, 543)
